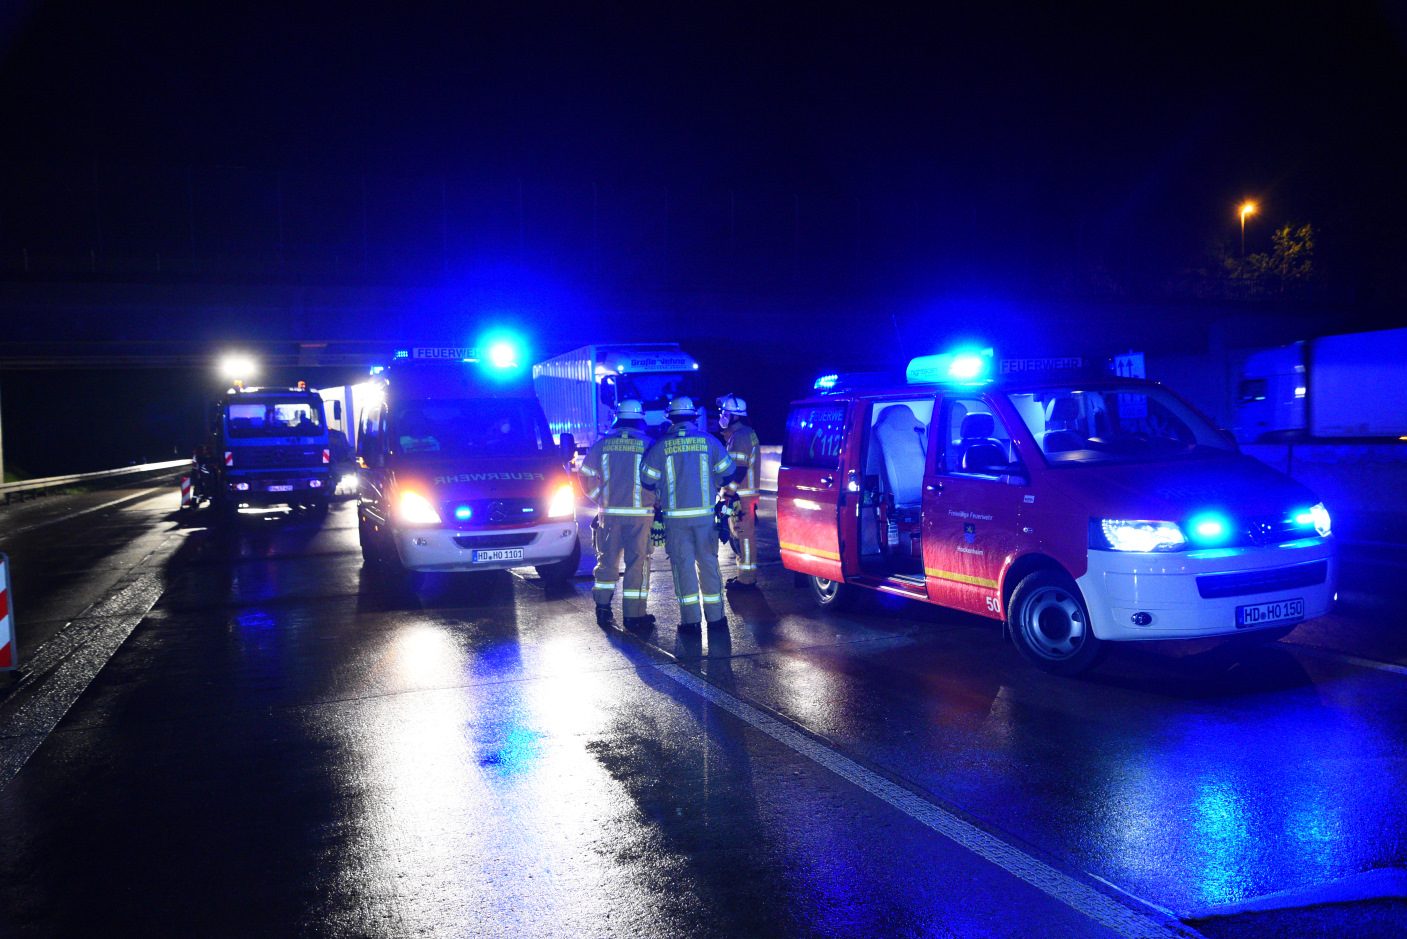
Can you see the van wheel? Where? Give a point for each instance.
(371, 551)
(1050, 626)
(830, 594)
(559, 572)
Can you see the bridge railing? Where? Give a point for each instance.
(35, 486)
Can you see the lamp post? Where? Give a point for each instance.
(1246, 209)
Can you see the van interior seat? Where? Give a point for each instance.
(900, 437)
(980, 457)
(1061, 435)
(976, 431)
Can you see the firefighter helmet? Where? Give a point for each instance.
(682, 406)
(630, 410)
(733, 405)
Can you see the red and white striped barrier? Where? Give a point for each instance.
(185, 492)
(9, 657)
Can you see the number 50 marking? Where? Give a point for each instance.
(994, 604)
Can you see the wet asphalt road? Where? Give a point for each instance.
(257, 735)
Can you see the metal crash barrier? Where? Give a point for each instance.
(35, 486)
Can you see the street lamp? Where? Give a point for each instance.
(1246, 209)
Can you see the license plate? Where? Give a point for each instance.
(496, 554)
(280, 489)
(1269, 614)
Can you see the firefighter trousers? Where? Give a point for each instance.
(630, 538)
(742, 538)
(692, 546)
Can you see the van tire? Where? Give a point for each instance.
(559, 572)
(830, 594)
(1049, 624)
(373, 551)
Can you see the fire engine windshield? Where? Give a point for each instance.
(469, 427)
(656, 389)
(293, 417)
(1133, 424)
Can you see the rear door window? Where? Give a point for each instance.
(815, 435)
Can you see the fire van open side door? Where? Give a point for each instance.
(811, 492)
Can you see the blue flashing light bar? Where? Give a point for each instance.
(463, 513)
(826, 382)
(965, 366)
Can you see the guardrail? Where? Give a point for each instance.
(28, 486)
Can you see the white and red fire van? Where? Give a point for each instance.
(1078, 511)
(458, 470)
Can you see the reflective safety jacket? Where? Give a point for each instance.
(688, 466)
(746, 451)
(610, 474)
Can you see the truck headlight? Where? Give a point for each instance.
(1115, 534)
(415, 509)
(563, 504)
(1320, 516)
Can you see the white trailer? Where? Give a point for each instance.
(579, 389)
(1352, 385)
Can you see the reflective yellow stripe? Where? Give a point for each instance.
(720, 466)
(635, 475)
(651, 472)
(587, 471)
(633, 594)
(802, 549)
(960, 578)
(611, 586)
(748, 492)
(685, 601)
(671, 486)
(626, 510)
(688, 513)
(710, 598)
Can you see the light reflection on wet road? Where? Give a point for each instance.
(289, 745)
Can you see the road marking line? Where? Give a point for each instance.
(1082, 898)
(95, 508)
(1344, 657)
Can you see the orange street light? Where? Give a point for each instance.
(1246, 209)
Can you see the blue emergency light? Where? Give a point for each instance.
(1210, 529)
(463, 513)
(826, 382)
(965, 366)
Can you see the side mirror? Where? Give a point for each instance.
(567, 443)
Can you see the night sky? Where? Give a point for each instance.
(1123, 121)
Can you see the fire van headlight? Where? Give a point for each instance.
(415, 509)
(1116, 534)
(1320, 516)
(563, 504)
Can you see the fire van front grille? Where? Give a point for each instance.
(276, 457)
(495, 541)
(493, 513)
(1241, 583)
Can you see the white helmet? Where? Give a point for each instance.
(682, 406)
(733, 405)
(630, 410)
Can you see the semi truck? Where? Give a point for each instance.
(579, 389)
(266, 446)
(1346, 386)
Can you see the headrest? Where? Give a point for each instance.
(1064, 409)
(982, 457)
(977, 425)
(898, 414)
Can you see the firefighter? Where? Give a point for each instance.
(688, 466)
(740, 494)
(610, 477)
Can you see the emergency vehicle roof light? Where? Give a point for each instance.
(966, 367)
(826, 382)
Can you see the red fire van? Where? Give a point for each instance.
(458, 470)
(1079, 511)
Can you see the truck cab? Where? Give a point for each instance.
(459, 471)
(1078, 511)
(268, 446)
(579, 389)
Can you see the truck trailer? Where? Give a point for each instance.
(579, 389)
(1334, 387)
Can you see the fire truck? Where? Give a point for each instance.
(1078, 510)
(266, 446)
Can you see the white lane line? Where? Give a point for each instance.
(95, 508)
(1082, 898)
(1344, 657)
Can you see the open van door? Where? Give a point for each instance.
(811, 489)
